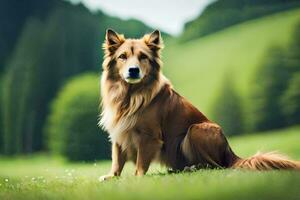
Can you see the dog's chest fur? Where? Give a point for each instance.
(128, 131)
(140, 119)
(118, 131)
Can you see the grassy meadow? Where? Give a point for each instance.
(44, 177)
(237, 50)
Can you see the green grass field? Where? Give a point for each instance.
(197, 68)
(44, 177)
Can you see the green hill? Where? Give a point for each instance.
(224, 13)
(197, 68)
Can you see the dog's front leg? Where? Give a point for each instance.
(145, 154)
(118, 161)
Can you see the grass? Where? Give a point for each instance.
(43, 177)
(197, 68)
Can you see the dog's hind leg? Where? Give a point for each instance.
(205, 146)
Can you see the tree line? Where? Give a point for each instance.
(46, 43)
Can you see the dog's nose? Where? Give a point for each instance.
(134, 72)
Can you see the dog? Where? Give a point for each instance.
(148, 120)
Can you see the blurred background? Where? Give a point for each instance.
(238, 61)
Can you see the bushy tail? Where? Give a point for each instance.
(266, 161)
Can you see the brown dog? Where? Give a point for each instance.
(147, 120)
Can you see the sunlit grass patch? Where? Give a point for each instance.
(204, 184)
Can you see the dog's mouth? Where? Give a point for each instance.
(132, 80)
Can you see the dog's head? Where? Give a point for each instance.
(133, 61)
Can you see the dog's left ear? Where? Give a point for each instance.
(154, 40)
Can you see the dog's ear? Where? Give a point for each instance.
(113, 41)
(154, 40)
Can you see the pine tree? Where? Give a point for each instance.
(227, 109)
(18, 89)
(271, 80)
(291, 100)
(1, 115)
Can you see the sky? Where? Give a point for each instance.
(166, 15)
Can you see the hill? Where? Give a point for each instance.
(224, 13)
(197, 68)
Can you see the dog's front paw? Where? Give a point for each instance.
(192, 168)
(106, 177)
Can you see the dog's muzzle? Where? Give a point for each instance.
(133, 75)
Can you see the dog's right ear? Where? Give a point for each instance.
(113, 41)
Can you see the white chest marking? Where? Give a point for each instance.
(117, 130)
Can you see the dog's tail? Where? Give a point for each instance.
(266, 161)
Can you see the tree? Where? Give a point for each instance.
(271, 80)
(20, 109)
(1, 116)
(227, 109)
(291, 100)
(13, 17)
(72, 124)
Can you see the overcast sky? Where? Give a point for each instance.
(167, 15)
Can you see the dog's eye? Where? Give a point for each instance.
(123, 56)
(143, 57)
